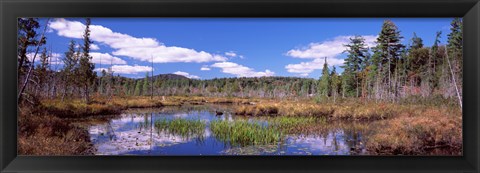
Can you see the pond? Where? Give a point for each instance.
(135, 132)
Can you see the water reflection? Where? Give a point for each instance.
(134, 133)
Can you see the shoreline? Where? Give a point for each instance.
(388, 116)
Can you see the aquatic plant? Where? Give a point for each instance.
(242, 133)
(184, 127)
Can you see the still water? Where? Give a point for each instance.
(134, 133)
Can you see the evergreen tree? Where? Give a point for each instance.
(138, 87)
(354, 64)
(86, 74)
(389, 50)
(69, 67)
(146, 85)
(324, 81)
(26, 37)
(335, 83)
(455, 56)
(417, 42)
(42, 68)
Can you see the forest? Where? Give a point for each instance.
(391, 73)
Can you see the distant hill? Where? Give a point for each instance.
(165, 77)
(171, 76)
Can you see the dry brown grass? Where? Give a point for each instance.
(346, 111)
(369, 111)
(42, 134)
(431, 131)
(78, 109)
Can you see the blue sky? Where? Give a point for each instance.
(206, 48)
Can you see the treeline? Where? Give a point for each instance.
(392, 70)
(264, 87)
(75, 79)
(388, 72)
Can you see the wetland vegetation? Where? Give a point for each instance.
(390, 99)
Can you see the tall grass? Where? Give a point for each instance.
(184, 127)
(40, 133)
(242, 133)
(288, 124)
(346, 111)
(270, 130)
(430, 131)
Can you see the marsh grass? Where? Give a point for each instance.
(430, 131)
(262, 131)
(403, 128)
(345, 111)
(184, 127)
(40, 133)
(243, 133)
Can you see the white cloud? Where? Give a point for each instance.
(105, 58)
(127, 69)
(329, 48)
(231, 54)
(143, 49)
(205, 68)
(318, 51)
(186, 75)
(305, 68)
(94, 47)
(54, 58)
(240, 71)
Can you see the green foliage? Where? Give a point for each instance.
(146, 85)
(242, 133)
(356, 61)
(86, 75)
(324, 81)
(138, 87)
(184, 127)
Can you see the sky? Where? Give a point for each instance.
(206, 48)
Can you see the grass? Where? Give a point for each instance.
(270, 130)
(350, 111)
(184, 127)
(243, 133)
(430, 131)
(288, 124)
(78, 109)
(44, 134)
(370, 111)
(406, 127)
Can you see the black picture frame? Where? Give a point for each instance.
(11, 9)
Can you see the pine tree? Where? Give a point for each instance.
(354, 64)
(335, 83)
(41, 70)
(389, 50)
(146, 85)
(86, 74)
(68, 72)
(138, 87)
(26, 37)
(455, 56)
(324, 81)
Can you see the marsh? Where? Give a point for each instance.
(136, 132)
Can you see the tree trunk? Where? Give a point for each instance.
(453, 79)
(27, 78)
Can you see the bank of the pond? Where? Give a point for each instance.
(53, 128)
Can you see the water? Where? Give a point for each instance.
(134, 133)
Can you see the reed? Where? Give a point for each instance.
(184, 127)
(243, 133)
